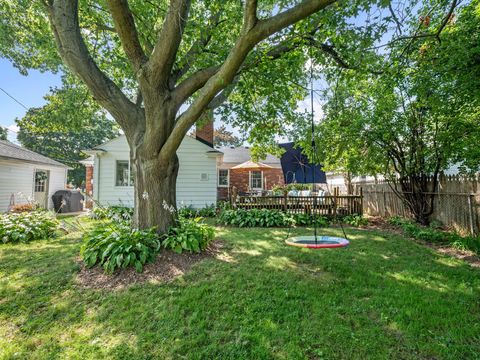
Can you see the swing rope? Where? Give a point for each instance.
(314, 160)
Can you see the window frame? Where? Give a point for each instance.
(251, 178)
(130, 180)
(228, 178)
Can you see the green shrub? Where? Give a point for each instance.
(466, 243)
(432, 234)
(191, 235)
(191, 212)
(302, 219)
(255, 218)
(398, 221)
(436, 224)
(116, 245)
(27, 226)
(355, 220)
(116, 212)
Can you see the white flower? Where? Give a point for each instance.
(145, 195)
(169, 208)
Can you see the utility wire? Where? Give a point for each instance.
(17, 101)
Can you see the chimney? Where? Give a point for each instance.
(204, 131)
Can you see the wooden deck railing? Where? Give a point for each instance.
(330, 205)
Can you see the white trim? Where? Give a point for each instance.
(228, 178)
(250, 180)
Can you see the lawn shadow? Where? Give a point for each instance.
(382, 295)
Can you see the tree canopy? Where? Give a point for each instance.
(415, 118)
(158, 66)
(3, 133)
(69, 123)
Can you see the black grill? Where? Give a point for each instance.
(67, 201)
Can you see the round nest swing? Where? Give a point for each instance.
(317, 242)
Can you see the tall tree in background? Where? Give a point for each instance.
(418, 116)
(157, 66)
(69, 123)
(3, 133)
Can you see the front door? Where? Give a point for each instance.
(40, 191)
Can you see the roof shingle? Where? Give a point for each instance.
(12, 151)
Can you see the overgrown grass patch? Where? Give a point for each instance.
(382, 297)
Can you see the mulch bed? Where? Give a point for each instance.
(168, 266)
(378, 223)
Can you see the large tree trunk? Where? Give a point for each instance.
(155, 192)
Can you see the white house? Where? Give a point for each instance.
(26, 175)
(196, 181)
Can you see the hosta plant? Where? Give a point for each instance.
(355, 220)
(191, 235)
(115, 212)
(27, 226)
(255, 218)
(116, 245)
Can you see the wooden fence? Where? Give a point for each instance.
(456, 204)
(331, 205)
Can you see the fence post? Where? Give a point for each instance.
(285, 201)
(361, 201)
(470, 214)
(335, 191)
(384, 202)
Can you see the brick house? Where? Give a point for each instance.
(245, 179)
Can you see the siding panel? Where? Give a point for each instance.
(191, 189)
(16, 177)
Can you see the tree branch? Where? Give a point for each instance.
(63, 15)
(197, 47)
(250, 14)
(168, 42)
(225, 75)
(127, 31)
(195, 82)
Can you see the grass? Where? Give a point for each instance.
(384, 297)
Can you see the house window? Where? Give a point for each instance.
(124, 173)
(256, 180)
(40, 181)
(223, 177)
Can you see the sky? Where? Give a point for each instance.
(29, 90)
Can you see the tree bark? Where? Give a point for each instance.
(155, 192)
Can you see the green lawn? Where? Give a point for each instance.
(384, 297)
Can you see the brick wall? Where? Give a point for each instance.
(240, 178)
(89, 180)
(204, 128)
(89, 185)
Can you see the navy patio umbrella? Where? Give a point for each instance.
(297, 168)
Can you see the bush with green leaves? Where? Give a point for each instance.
(432, 234)
(27, 226)
(189, 234)
(115, 212)
(191, 212)
(355, 220)
(255, 218)
(302, 219)
(268, 218)
(114, 245)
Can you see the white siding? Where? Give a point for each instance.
(191, 189)
(16, 177)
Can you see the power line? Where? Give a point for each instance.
(17, 101)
